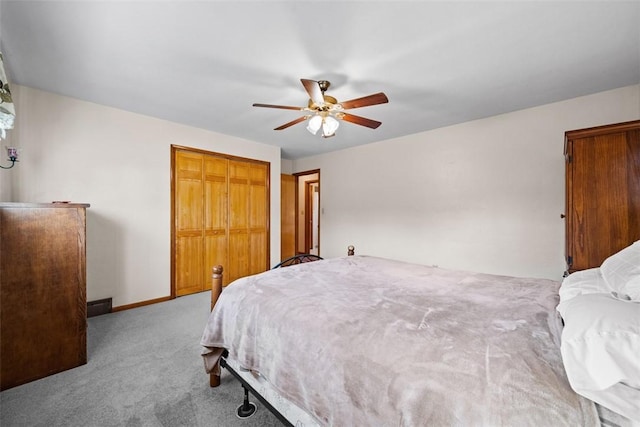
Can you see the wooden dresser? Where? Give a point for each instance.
(602, 192)
(42, 290)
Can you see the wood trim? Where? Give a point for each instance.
(568, 180)
(298, 231)
(308, 214)
(217, 154)
(602, 130)
(172, 224)
(268, 213)
(140, 304)
(309, 172)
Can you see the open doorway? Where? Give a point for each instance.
(308, 212)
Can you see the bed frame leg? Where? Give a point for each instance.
(247, 408)
(216, 290)
(214, 380)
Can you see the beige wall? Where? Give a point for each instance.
(287, 166)
(484, 195)
(119, 162)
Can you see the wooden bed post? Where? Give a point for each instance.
(351, 250)
(216, 290)
(216, 284)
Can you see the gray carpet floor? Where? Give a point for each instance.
(144, 369)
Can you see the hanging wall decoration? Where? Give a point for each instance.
(7, 109)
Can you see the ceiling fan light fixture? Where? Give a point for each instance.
(329, 126)
(314, 124)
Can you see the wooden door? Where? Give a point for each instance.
(238, 265)
(189, 223)
(248, 219)
(258, 218)
(215, 215)
(603, 192)
(221, 216)
(287, 216)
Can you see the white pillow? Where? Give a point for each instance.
(621, 271)
(583, 282)
(600, 341)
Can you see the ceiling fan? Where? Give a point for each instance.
(324, 111)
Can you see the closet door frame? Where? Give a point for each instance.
(173, 216)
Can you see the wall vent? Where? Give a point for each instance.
(98, 307)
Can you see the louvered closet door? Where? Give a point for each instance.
(215, 215)
(248, 219)
(221, 216)
(189, 256)
(258, 217)
(238, 220)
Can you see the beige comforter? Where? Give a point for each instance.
(364, 341)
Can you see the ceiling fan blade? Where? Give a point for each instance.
(313, 89)
(365, 101)
(284, 107)
(362, 121)
(291, 123)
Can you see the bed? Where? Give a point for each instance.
(600, 342)
(362, 341)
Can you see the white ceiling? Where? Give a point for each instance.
(205, 63)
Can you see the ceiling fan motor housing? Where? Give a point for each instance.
(324, 85)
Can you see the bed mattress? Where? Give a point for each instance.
(369, 341)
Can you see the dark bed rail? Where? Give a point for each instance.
(298, 259)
